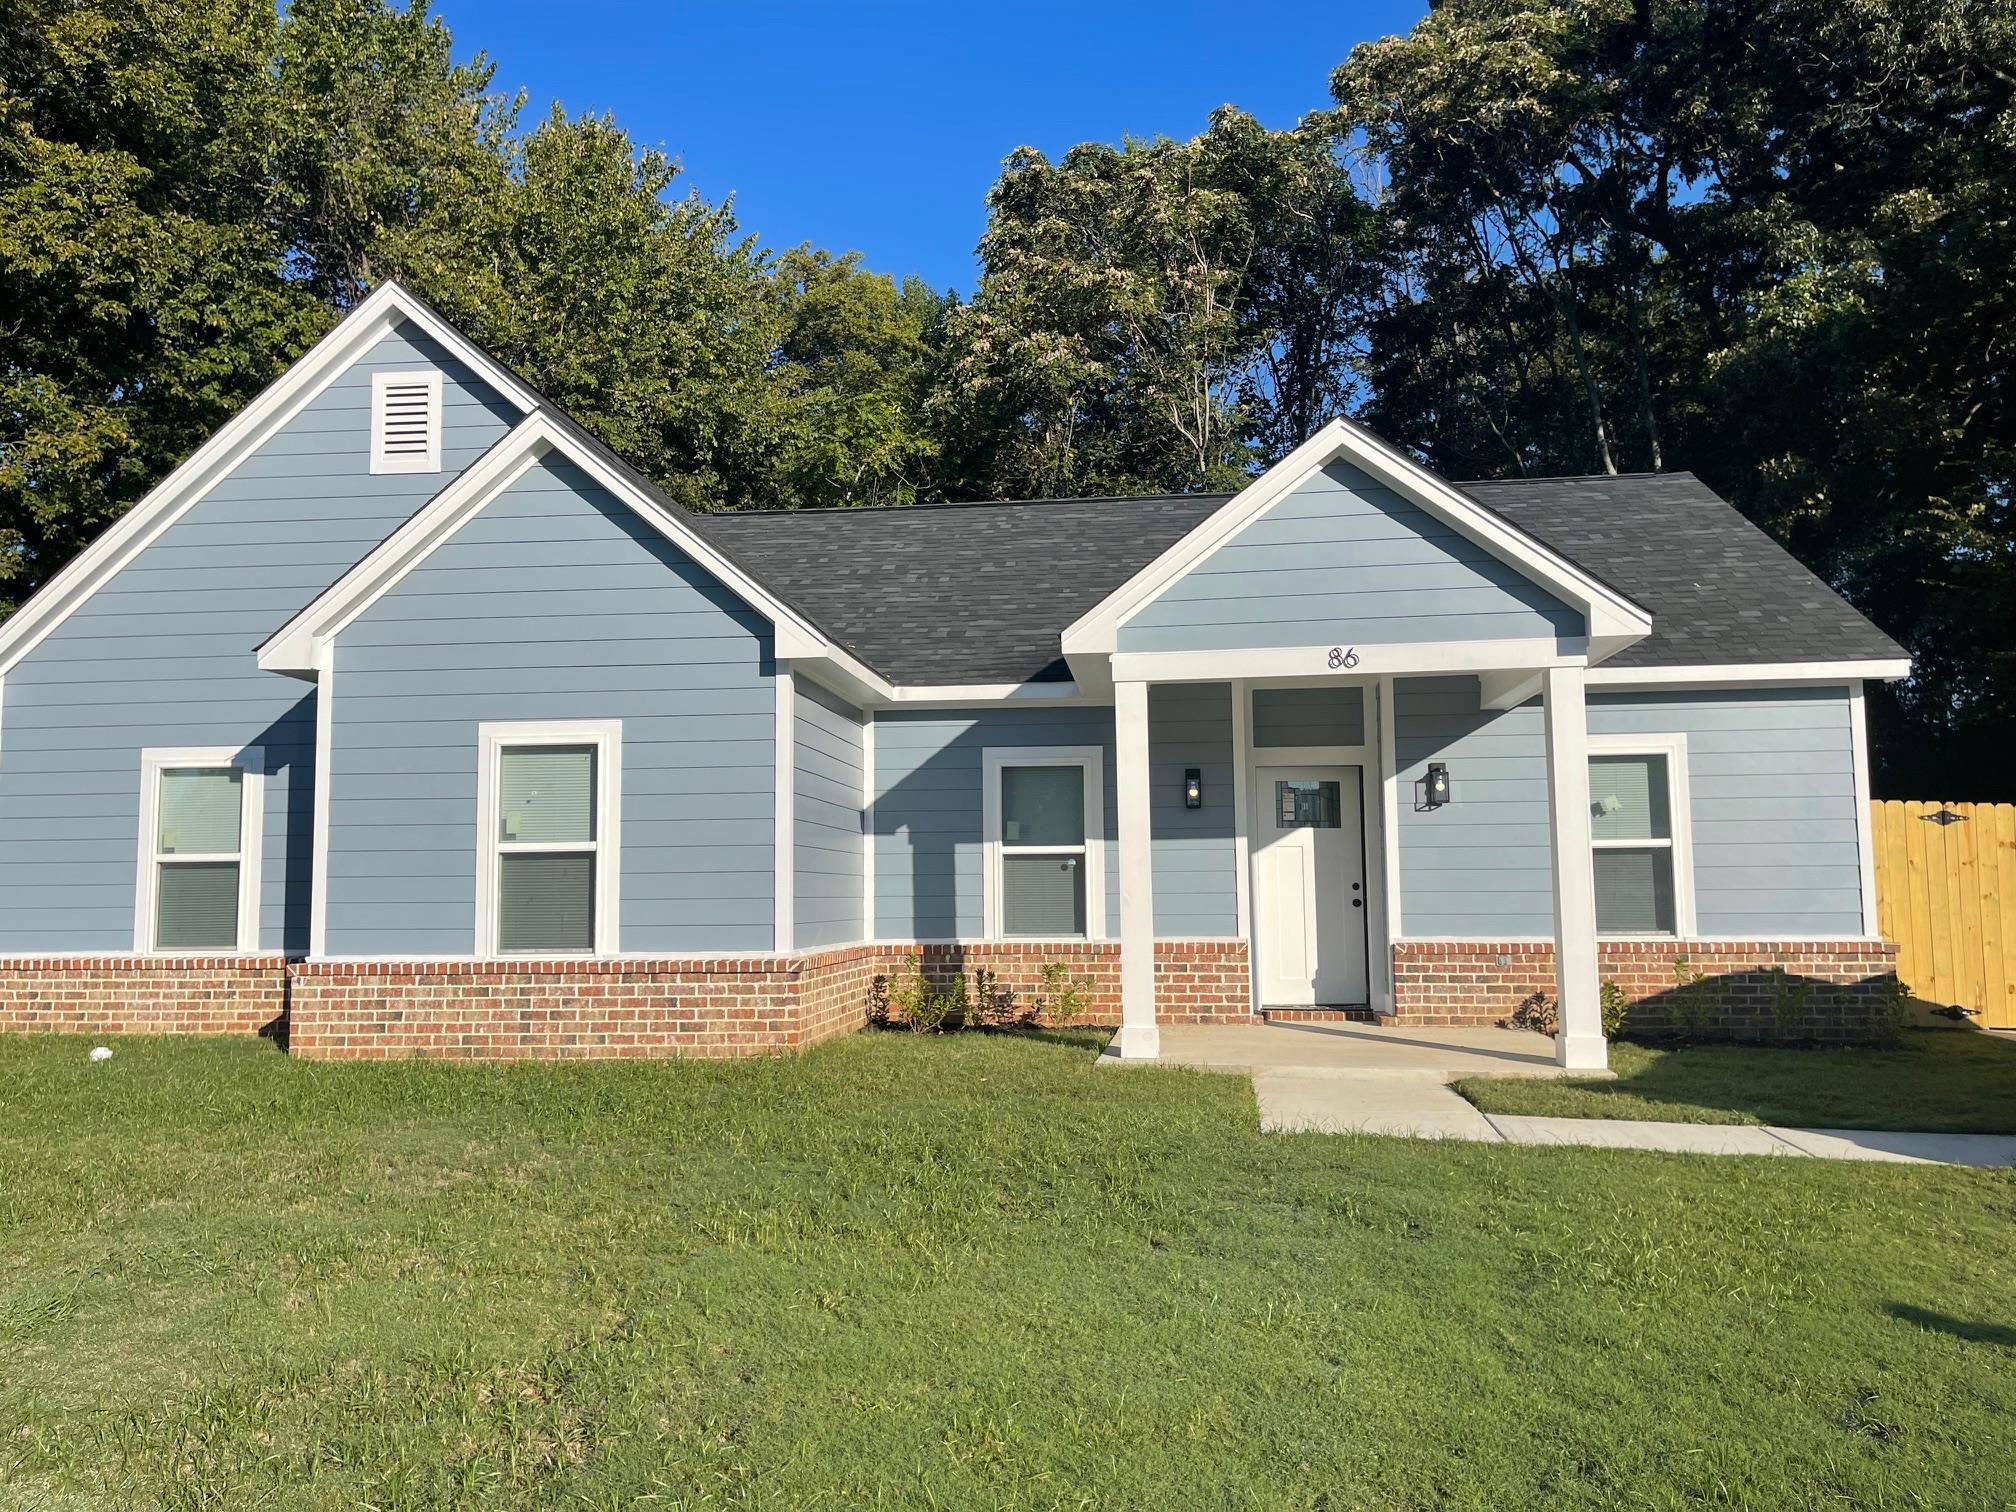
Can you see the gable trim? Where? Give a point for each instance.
(297, 647)
(1612, 620)
(236, 440)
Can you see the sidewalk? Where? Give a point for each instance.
(1421, 1105)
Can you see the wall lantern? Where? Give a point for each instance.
(1193, 788)
(1438, 783)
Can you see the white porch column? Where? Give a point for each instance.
(1579, 1043)
(1139, 1037)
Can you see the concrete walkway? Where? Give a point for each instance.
(1360, 1078)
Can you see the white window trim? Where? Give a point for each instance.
(1091, 760)
(1680, 807)
(606, 737)
(251, 763)
(430, 460)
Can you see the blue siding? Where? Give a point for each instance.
(827, 832)
(1343, 560)
(1772, 777)
(554, 602)
(162, 655)
(1771, 774)
(928, 815)
(1195, 870)
(1308, 716)
(1480, 866)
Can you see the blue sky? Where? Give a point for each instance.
(879, 127)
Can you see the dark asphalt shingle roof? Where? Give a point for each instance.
(1720, 590)
(956, 593)
(983, 592)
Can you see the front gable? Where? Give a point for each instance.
(1344, 559)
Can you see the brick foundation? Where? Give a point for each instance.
(1196, 981)
(1767, 989)
(142, 994)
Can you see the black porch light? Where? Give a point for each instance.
(1438, 783)
(1193, 788)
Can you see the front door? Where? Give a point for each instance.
(1309, 885)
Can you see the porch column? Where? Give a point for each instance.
(1139, 1037)
(1578, 1044)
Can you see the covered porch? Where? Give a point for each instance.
(1321, 806)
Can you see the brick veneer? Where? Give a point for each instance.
(142, 994)
(1750, 989)
(1196, 981)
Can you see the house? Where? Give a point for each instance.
(404, 709)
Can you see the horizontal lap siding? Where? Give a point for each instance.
(826, 864)
(1308, 717)
(1776, 849)
(1772, 781)
(1343, 559)
(163, 655)
(1195, 873)
(1480, 865)
(500, 623)
(928, 817)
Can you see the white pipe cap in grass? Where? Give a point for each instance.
(101, 1052)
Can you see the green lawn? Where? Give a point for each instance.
(978, 1272)
(1951, 1081)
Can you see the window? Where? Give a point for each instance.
(406, 422)
(1044, 872)
(547, 845)
(1308, 805)
(200, 823)
(1638, 825)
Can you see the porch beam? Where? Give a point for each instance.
(1139, 1038)
(1578, 1042)
(1328, 664)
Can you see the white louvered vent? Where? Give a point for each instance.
(405, 422)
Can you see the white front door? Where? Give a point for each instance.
(1309, 884)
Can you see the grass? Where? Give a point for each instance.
(965, 1272)
(1959, 1082)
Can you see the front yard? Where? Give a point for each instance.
(971, 1272)
(1946, 1081)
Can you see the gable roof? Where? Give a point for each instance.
(240, 436)
(958, 593)
(1611, 619)
(1721, 591)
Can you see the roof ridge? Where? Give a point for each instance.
(845, 509)
(1618, 477)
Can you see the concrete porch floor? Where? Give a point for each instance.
(1346, 1049)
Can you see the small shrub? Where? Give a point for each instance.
(1616, 1008)
(1790, 997)
(991, 1004)
(910, 1000)
(1895, 1004)
(1062, 997)
(1697, 1001)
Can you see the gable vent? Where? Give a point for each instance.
(405, 422)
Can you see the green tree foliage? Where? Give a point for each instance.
(1769, 243)
(1154, 316)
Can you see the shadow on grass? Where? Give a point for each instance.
(1955, 1081)
(2000, 1334)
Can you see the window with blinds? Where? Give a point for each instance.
(1631, 827)
(547, 849)
(198, 857)
(1043, 851)
(406, 422)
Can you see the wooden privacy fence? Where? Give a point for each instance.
(1946, 893)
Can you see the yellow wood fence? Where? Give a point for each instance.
(1946, 893)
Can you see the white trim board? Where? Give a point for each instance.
(1613, 621)
(1288, 665)
(784, 859)
(1865, 831)
(240, 436)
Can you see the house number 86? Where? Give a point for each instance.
(1342, 657)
